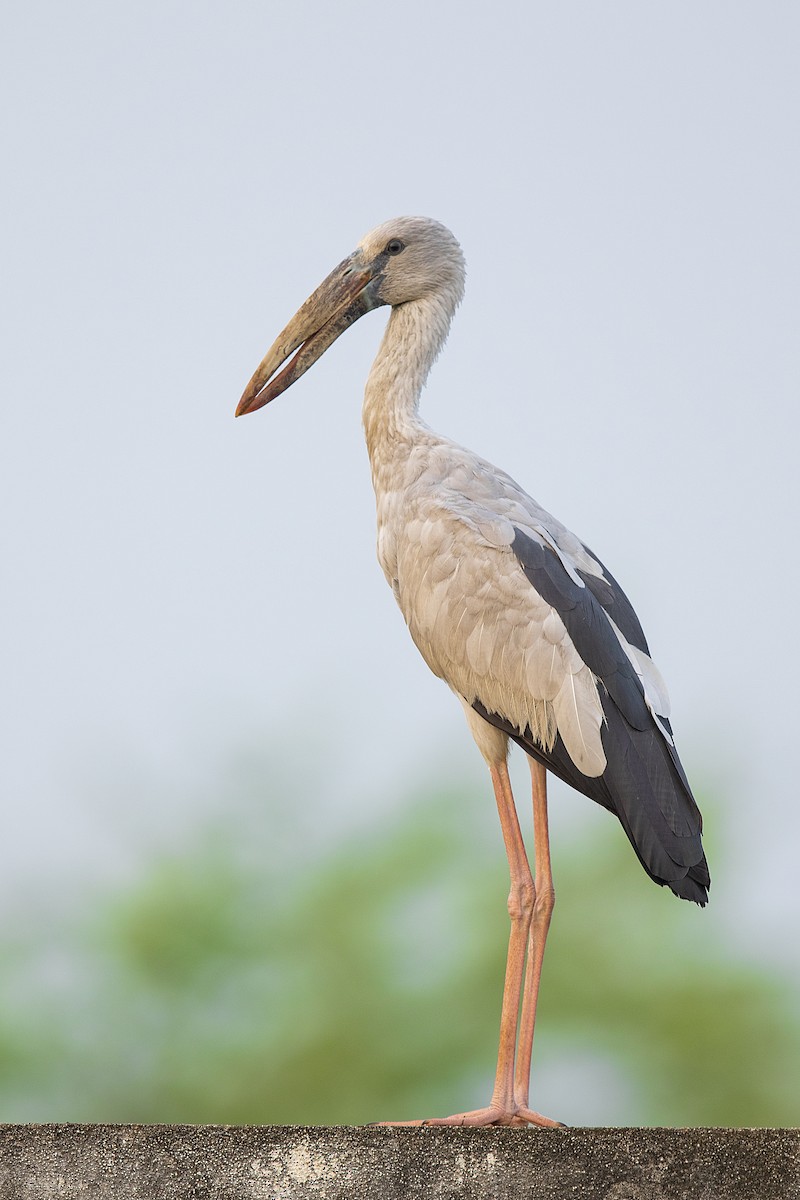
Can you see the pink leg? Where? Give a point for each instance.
(509, 1102)
(540, 923)
(521, 899)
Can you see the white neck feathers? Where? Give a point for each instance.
(413, 339)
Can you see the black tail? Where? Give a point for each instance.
(645, 785)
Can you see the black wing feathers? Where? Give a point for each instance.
(642, 786)
(586, 623)
(610, 595)
(644, 782)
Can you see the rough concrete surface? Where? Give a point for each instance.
(216, 1162)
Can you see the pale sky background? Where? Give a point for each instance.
(180, 587)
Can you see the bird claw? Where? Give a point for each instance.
(484, 1118)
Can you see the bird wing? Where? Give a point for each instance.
(525, 623)
(643, 781)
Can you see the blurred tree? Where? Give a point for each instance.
(237, 982)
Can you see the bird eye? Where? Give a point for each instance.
(395, 246)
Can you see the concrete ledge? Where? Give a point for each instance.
(215, 1162)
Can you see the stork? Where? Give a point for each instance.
(520, 618)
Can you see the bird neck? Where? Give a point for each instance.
(414, 336)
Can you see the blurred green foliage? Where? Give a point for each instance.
(243, 979)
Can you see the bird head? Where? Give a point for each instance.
(403, 260)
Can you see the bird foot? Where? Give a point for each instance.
(482, 1118)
